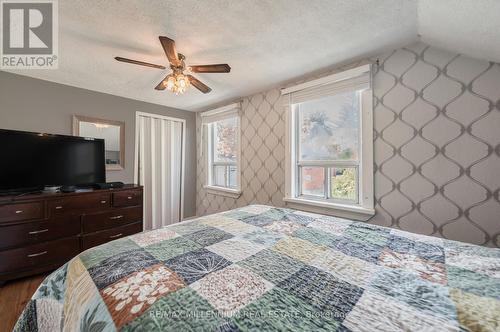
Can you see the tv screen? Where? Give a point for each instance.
(34, 160)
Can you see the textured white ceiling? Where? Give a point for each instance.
(470, 27)
(266, 42)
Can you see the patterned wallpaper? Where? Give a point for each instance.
(437, 146)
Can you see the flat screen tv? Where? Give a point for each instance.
(30, 161)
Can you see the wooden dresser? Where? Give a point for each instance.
(41, 232)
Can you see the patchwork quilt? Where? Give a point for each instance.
(261, 268)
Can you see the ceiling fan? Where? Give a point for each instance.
(180, 79)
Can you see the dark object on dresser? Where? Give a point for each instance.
(41, 232)
(109, 185)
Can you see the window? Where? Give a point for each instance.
(222, 133)
(330, 143)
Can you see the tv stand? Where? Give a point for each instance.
(39, 232)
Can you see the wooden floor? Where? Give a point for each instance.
(13, 297)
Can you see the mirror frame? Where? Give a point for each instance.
(76, 132)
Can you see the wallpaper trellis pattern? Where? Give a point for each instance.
(437, 146)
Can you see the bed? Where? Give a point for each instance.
(261, 268)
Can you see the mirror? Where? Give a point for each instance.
(113, 133)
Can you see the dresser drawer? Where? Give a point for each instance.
(127, 198)
(39, 254)
(21, 211)
(34, 232)
(95, 239)
(76, 204)
(93, 222)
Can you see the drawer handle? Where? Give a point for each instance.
(116, 217)
(19, 211)
(115, 236)
(37, 254)
(40, 231)
(59, 207)
(129, 197)
(103, 202)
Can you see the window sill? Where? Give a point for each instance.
(335, 209)
(221, 191)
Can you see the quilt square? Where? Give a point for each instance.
(235, 249)
(262, 237)
(317, 236)
(272, 265)
(384, 314)
(475, 312)
(407, 287)
(118, 266)
(254, 209)
(472, 282)
(363, 250)
(208, 236)
(147, 238)
(276, 213)
(348, 268)
(129, 297)
(428, 270)
(329, 226)
(278, 310)
(417, 248)
(97, 254)
(323, 291)
(188, 227)
(232, 288)
(489, 266)
(183, 310)
(283, 226)
(231, 226)
(301, 250)
(170, 248)
(301, 217)
(368, 233)
(196, 264)
(237, 214)
(259, 220)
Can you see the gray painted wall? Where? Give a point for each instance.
(437, 146)
(36, 105)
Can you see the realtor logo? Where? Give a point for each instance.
(29, 34)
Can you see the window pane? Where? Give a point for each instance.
(343, 183)
(329, 127)
(232, 176)
(313, 181)
(225, 140)
(219, 174)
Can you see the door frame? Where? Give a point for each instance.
(183, 150)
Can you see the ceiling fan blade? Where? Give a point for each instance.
(170, 51)
(218, 68)
(198, 84)
(161, 85)
(135, 62)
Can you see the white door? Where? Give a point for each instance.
(160, 167)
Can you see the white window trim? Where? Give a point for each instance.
(362, 210)
(227, 110)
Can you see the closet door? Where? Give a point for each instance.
(160, 162)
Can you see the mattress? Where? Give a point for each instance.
(261, 268)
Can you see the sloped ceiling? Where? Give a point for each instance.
(266, 42)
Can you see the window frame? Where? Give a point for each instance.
(223, 113)
(363, 207)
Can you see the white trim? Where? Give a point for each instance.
(354, 72)
(342, 210)
(232, 110)
(183, 150)
(363, 208)
(222, 191)
(220, 110)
